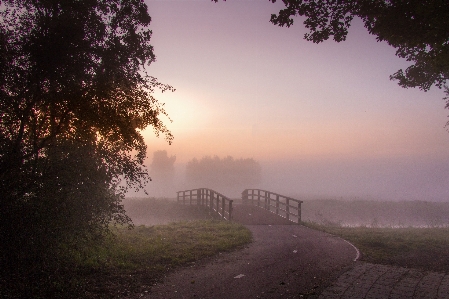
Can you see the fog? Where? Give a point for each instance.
(392, 179)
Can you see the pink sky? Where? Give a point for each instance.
(249, 89)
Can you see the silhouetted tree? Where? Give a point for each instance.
(418, 29)
(224, 175)
(74, 96)
(162, 163)
(163, 173)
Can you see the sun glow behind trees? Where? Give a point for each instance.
(267, 94)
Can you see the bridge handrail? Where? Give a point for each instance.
(284, 206)
(212, 200)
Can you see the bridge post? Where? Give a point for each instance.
(230, 210)
(218, 204)
(277, 204)
(245, 196)
(287, 208)
(211, 201)
(223, 207)
(267, 195)
(299, 212)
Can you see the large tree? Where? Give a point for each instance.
(418, 29)
(225, 175)
(74, 97)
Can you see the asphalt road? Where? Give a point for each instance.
(283, 261)
(292, 261)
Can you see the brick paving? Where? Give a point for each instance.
(371, 281)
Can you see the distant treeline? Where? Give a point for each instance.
(224, 175)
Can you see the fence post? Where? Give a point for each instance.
(258, 198)
(183, 197)
(299, 212)
(287, 208)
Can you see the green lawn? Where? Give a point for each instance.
(135, 259)
(422, 248)
(128, 262)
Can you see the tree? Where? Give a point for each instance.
(418, 29)
(163, 173)
(74, 96)
(163, 163)
(227, 175)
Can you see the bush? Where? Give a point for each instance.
(72, 205)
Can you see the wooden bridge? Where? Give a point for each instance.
(252, 200)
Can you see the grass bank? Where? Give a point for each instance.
(422, 248)
(127, 263)
(134, 259)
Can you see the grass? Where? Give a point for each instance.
(129, 262)
(421, 248)
(135, 259)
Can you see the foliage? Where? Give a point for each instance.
(419, 30)
(163, 166)
(74, 96)
(223, 174)
(75, 70)
(161, 162)
(162, 171)
(129, 262)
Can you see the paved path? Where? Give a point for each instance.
(378, 281)
(284, 261)
(292, 261)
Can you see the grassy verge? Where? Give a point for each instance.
(130, 261)
(422, 248)
(135, 259)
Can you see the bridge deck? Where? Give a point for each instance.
(253, 215)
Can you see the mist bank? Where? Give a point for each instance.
(400, 178)
(392, 179)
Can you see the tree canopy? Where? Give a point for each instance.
(76, 70)
(418, 29)
(225, 175)
(74, 97)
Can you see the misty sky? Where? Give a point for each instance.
(322, 119)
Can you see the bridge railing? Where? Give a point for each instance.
(215, 202)
(281, 205)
